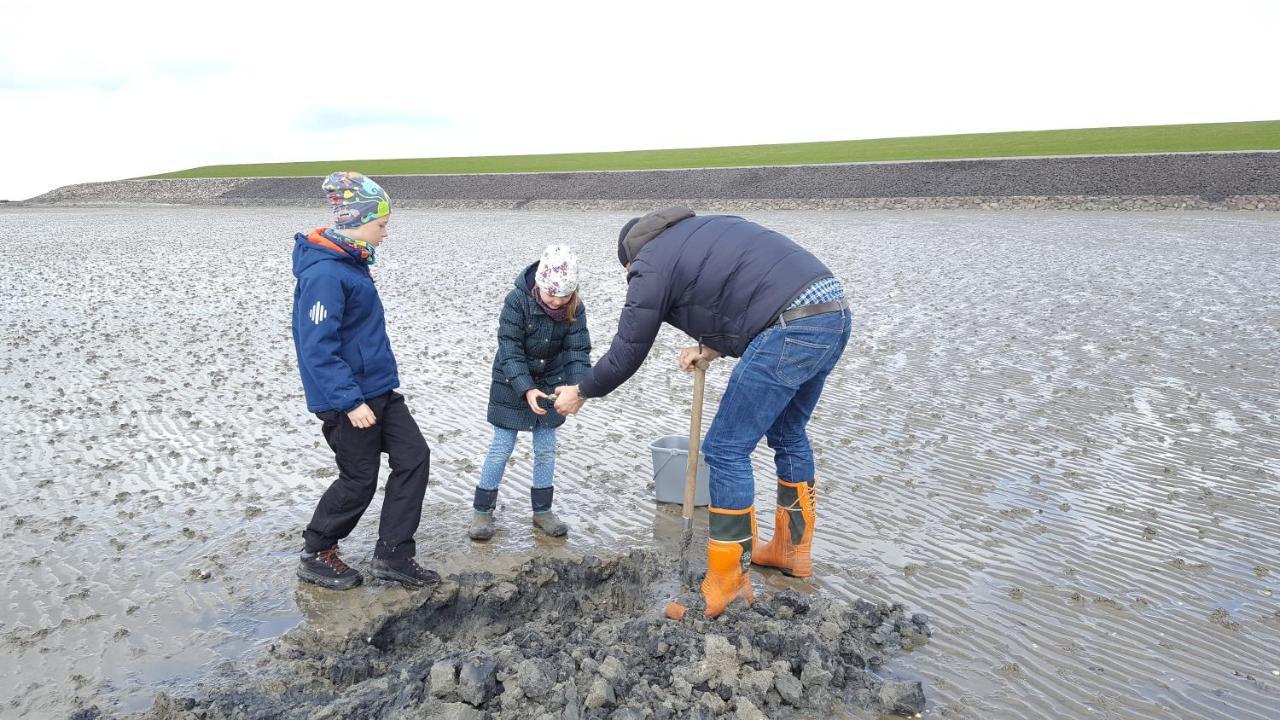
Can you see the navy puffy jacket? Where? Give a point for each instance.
(719, 278)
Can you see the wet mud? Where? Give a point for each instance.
(581, 639)
(1054, 433)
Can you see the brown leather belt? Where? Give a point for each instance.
(805, 311)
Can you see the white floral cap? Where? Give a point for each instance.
(557, 271)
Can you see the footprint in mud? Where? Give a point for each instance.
(1220, 616)
(1108, 602)
(911, 569)
(1181, 564)
(1009, 670)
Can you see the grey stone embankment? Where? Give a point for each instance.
(1245, 180)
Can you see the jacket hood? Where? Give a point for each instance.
(639, 231)
(525, 280)
(313, 248)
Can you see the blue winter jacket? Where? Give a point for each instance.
(339, 332)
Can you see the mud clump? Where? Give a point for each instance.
(581, 639)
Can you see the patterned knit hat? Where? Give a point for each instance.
(356, 199)
(557, 271)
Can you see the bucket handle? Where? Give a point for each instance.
(671, 454)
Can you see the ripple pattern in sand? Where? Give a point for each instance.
(1055, 433)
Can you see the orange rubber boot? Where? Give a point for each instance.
(792, 543)
(729, 559)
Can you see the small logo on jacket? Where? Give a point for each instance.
(318, 313)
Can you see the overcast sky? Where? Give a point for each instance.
(99, 91)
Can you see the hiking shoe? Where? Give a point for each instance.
(481, 526)
(326, 569)
(548, 523)
(405, 571)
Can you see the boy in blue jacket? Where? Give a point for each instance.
(349, 376)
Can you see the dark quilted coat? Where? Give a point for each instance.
(534, 351)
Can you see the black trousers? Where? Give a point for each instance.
(359, 453)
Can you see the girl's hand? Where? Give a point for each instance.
(362, 417)
(531, 397)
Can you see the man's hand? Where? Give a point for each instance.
(531, 397)
(567, 400)
(362, 417)
(690, 356)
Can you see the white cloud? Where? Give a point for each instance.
(93, 91)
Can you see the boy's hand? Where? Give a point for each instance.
(690, 356)
(567, 400)
(531, 397)
(362, 417)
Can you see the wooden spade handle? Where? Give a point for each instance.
(695, 437)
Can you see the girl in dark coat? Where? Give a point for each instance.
(542, 343)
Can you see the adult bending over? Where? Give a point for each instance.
(740, 290)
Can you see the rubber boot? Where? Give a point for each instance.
(482, 522)
(543, 516)
(729, 559)
(792, 543)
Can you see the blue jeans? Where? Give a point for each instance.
(772, 393)
(504, 442)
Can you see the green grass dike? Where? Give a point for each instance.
(1208, 137)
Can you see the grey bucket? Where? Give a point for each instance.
(670, 462)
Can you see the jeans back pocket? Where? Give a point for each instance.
(800, 360)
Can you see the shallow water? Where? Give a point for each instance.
(1053, 433)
